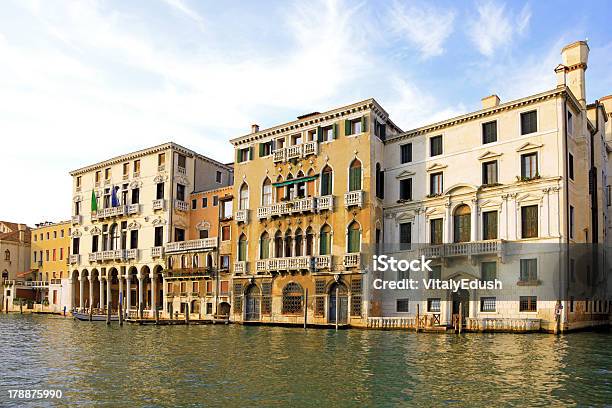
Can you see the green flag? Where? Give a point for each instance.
(94, 201)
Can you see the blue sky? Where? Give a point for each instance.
(87, 80)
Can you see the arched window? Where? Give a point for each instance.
(325, 240)
(299, 242)
(292, 298)
(183, 261)
(278, 245)
(264, 246)
(300, 188)
(266, 192)
(114, 237)
(355, 175)
(195, 261)
(242, 248)
(461, 223)
(280, 190)
(354, 238)
(7, 255)
(309, 242)
(244, 197)
(288, 243)
(209, 261)
(289, 190)
(310, 184)
(326, 181)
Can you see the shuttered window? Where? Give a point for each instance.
(355, 176)
(489, 173)
(354, 238)
(488, 271)
(529, 122)
(405, 192)
(435, 227)
(326, 181)
(489, 132)
(529, 165)
(406, 153)
(489, 225)
(529, 221)
(529, 270)
(325, 241)
(435, 146)
(405, 235)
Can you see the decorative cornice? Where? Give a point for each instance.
(529, 146)
(489, 155)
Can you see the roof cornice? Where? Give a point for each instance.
(299, 124)
(484, 113)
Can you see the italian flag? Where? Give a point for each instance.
(94, 201)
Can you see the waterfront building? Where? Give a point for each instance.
(195, 279)
(514, 192)
(306, 212)
(15, 242)
(125, 211)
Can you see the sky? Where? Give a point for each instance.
(87, 80)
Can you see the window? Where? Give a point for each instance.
(264, 246)
(433, 305)
(179, 234)
(571, 222)
(161, 159)
(136, 166)
(462, 223)
(243, 204)
(528, 304)
(54, 257)
(489, 173)
(529, 122)
(98, 176)
(402, 306)
(134, 239)
(203, 234)
(406, 153)
(107, 173)
(242, 248)
(135, 195)
(7, 255)
(354, 238)
(95, 243)
(326, 181)
(159, 194)
(570, 165)
(435, 231)
(380, 130)
(77, 208)
(487, 304)
(78, 181)
(292, 298)
(436, 272)
(215, 201)
(354, 126)
(126, 169)
(529, 165)
(297, 139)
(266, 192)
(265, 149)
(355, 176)
(570, 122)
(435, 146)
(75, 246)
(488, 271)
(405, 192)
(180, 192)
(225, 233)
(489, 225)
(46, 255)
(327, 133)
(489, 132)
(529, 221)
(159, 236)
(204, 202)
(182, 161)
(225, 260)
(435, 184)
(194, 204)
(380, 182)
(218, 177)
(529, 270)
(244, 154)
(325, 240)
(226, 209)
(61, 233)
(405, 235)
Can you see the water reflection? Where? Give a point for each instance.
(234, 366)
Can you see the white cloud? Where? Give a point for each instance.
(423, 26)
(181, 7)
(495, 27)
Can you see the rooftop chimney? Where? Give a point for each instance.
(22, 230)
(254, 128)
(490, 101)
(575, 57)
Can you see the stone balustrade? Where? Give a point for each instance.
(195, 244)
(354, 198)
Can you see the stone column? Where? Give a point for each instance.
(153, 294)
(91, 295)
(108, 289)
(121, 295)
(81, 292)
(474, 221)
(448, 224)
(102, 299)
(140, 292)
(128, 292)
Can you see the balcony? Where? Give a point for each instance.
(195, 244)
(352, 260)
(263, 212)
(76, 219)
(74, 258)
(132, 209)
(131, 254)
(296, 151)
(302, 205)
(157, 251)
(159, 204)
(354, 198)
(240, 267)
(467, 249)
(295, 263)
(323, 262)
(181, 205)
(181, 170)
(325, 203)
(112, 255)
(242, 216)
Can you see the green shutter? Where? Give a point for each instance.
(353, 244)
(355, 179)
(261, 150)
(335, 130)
(364, 123)
(347, 127)
(319, 134)
(251, 153)
(238, 156)
(324, 248)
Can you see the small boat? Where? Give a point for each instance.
(95, 317)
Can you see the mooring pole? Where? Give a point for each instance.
(108, 313)
(120, 309)
(417, 317)
(187, 313)
(21, 306)
(156, 315)
(460, 316)
(337, 308)
(305, 308)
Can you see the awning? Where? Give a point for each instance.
(294, 181)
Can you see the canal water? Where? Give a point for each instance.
(131, 366)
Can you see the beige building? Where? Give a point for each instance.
(14, 255)
(512, 192)
(126, 210)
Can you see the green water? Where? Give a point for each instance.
(131, 366)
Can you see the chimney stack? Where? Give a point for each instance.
(254, 128)
(22, 229)
(490, 101)
(575, 57)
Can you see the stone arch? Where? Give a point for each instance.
(293, 298)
